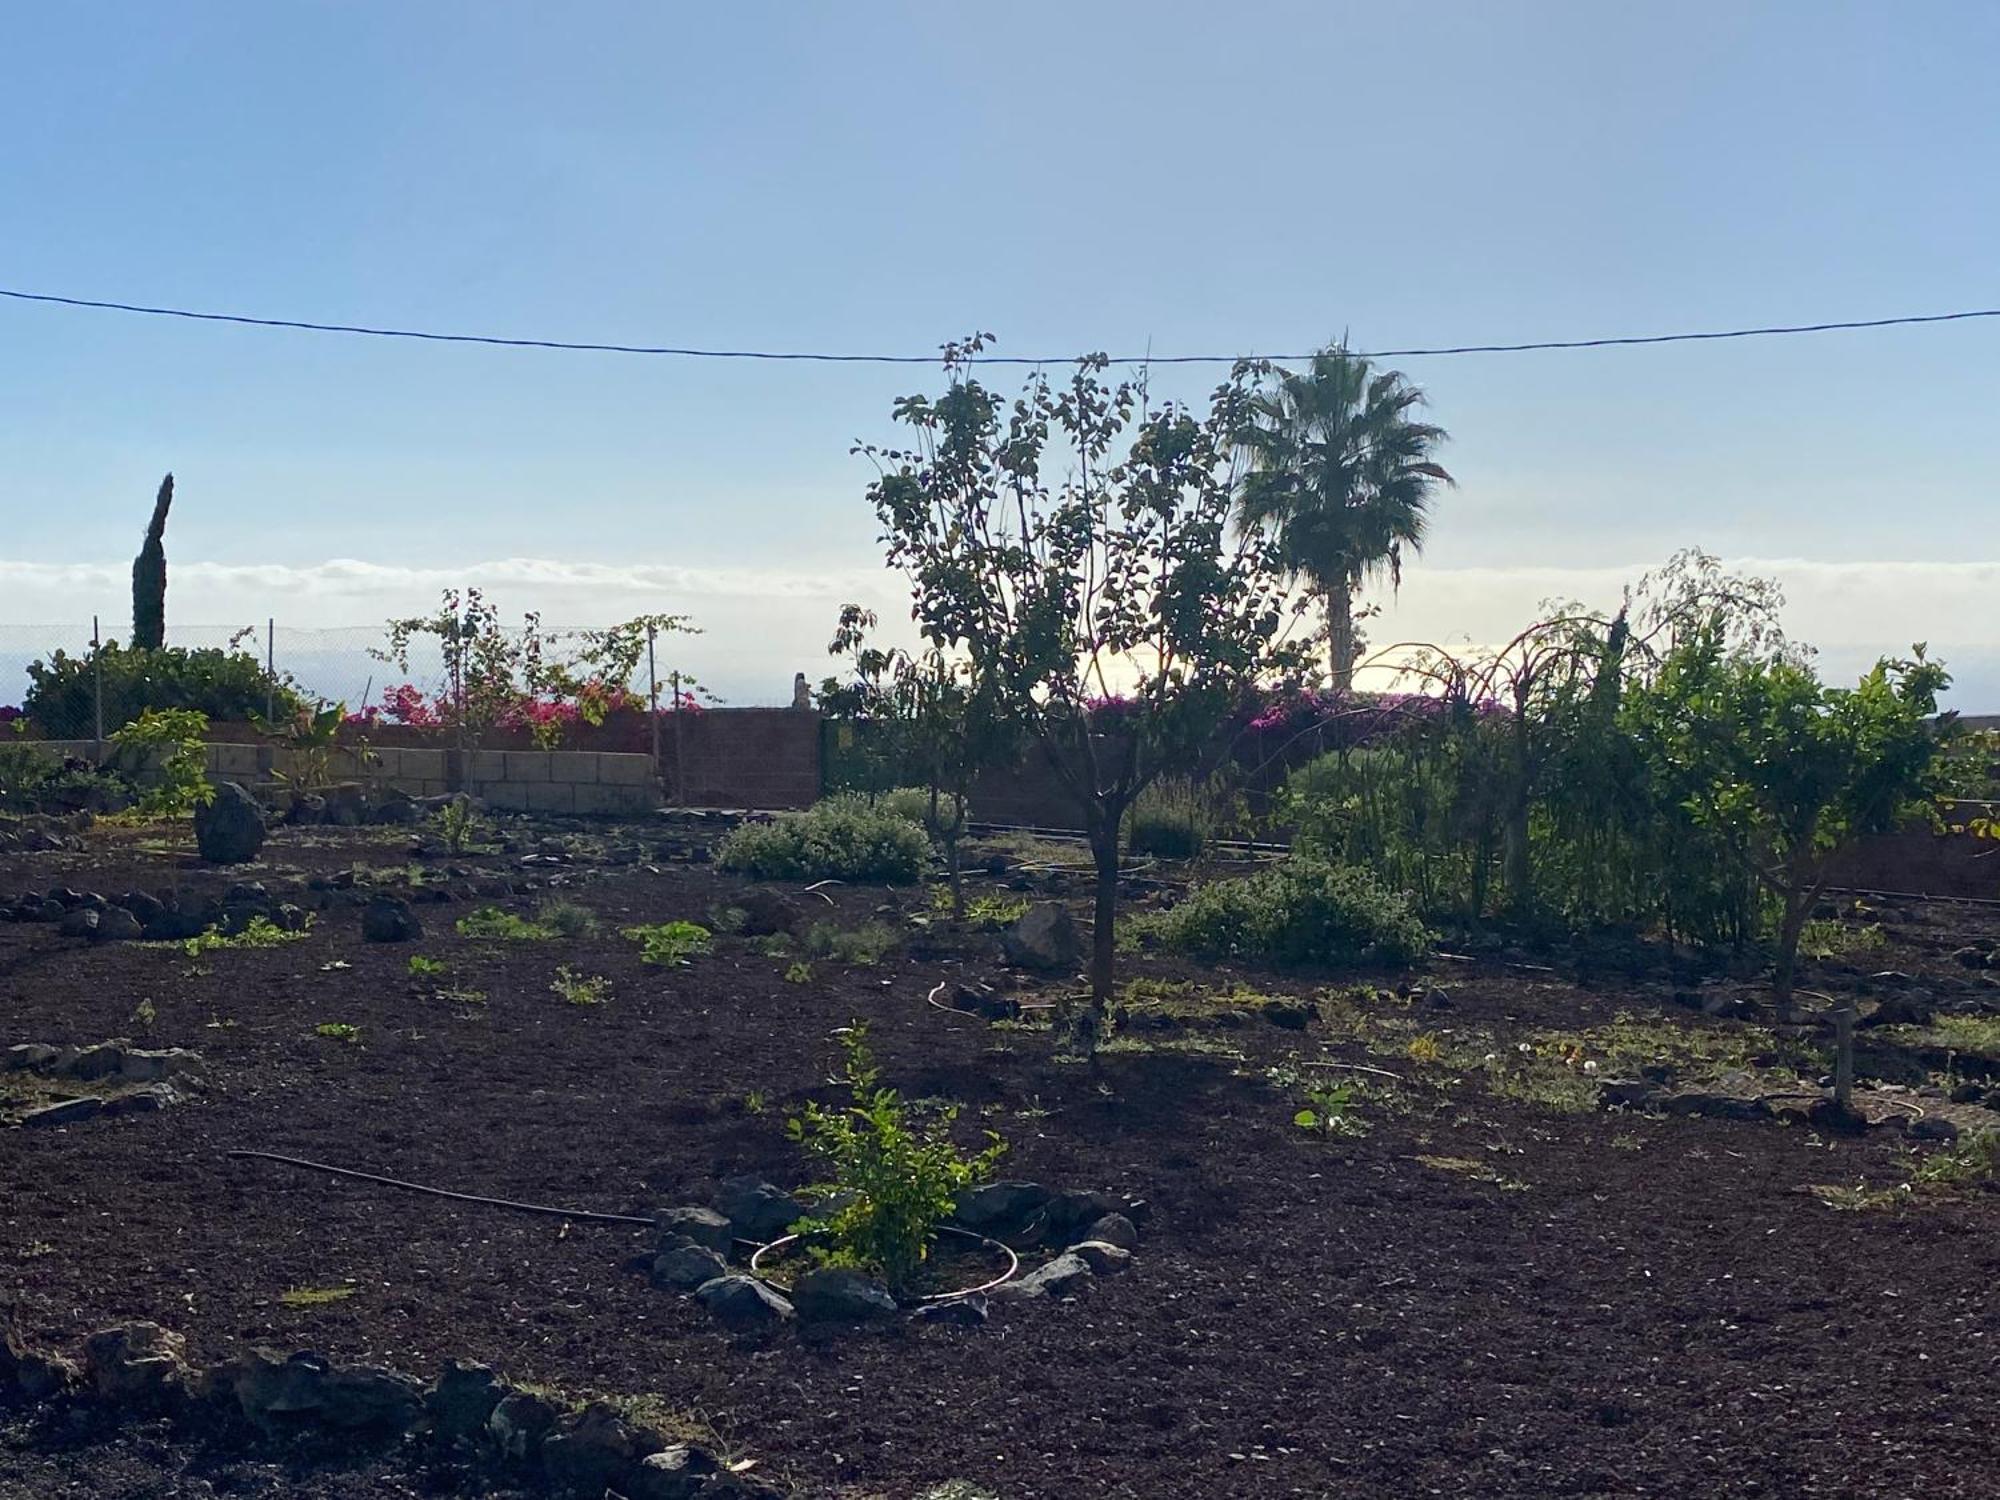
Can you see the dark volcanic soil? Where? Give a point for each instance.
(1614, 1305)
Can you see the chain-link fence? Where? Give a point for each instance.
(72, 681)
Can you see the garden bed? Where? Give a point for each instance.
(1492, 1286)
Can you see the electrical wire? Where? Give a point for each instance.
(816, 357)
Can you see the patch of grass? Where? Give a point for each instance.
(338, 1031)
(1963, 1033)
(315, 1296)
(1541, 1082)
(259, 932)
(869, 943)
(1478, 1171)
(1826, 939)
(580, 989)
(426, 968)
(756, 1102)
(566, 918)
(1858, 1199)
(459, 995)
(985, 911)
(1970, 1161)
(491, 923)
(669, 944)
(799, 973)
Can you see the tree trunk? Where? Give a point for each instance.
(1104, 931)
(1340, 638)
(1798, 905)
(955, 875)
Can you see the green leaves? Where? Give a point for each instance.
(891, 1183)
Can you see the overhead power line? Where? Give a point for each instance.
(814, 357)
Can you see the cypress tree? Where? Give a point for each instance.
(149, 577)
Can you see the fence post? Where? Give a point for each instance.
(270, 667)
(680, 754)
(97, 687)
(653, 703)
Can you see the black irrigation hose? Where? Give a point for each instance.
(548, 1211)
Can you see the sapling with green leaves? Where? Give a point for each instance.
(1119, 592)
(944, 717)
(891, 1183)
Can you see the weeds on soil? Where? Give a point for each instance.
(580, 989)
(669, 944)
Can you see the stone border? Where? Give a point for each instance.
(1093, 1235)
(467, 1414)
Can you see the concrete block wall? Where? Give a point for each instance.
(587, 783)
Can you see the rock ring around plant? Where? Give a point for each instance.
(779, 1245)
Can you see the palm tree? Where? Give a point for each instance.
(1342, 476)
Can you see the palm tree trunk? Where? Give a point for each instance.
(1340, 638)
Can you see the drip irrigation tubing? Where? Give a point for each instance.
(1013, 1263)
(579, 1215)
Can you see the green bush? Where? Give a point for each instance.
(845, 837)
(227, 686)
(1170, 820)
(1304, 911)
(34, 781)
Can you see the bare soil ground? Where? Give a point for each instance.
(1496, 1289)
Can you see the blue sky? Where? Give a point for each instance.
(883, 177)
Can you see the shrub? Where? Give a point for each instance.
(841, 838)
(891, 1184)
(32, 780)
(566, 918)
(869, 943)
(227, 686)
(1170, 820)
(1301, 911)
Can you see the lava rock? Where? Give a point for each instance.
(1001, 1208)
(676, 1472)
(959, 1312)
(1933, 1128)
(1045, 939)
(1070, 1212)
(589, 1448)
(519, 1423)
(140, 1363)
(1057, 1278)
(155, 1065)
(1113, 1229)
(696, 1226)
(148, 909)
(229, 828)
(742, 1302)
(105, 1060)
(1103, 1259)
(386, 919)
(686, 1267)
(65, 1112)
(36, 1375)
(462, 1401)
(117, 925)
(346, 805)
(78, 922)
(756, 1209)
(831, 1294)
(34, 1056)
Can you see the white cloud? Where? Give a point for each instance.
(761, 625)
